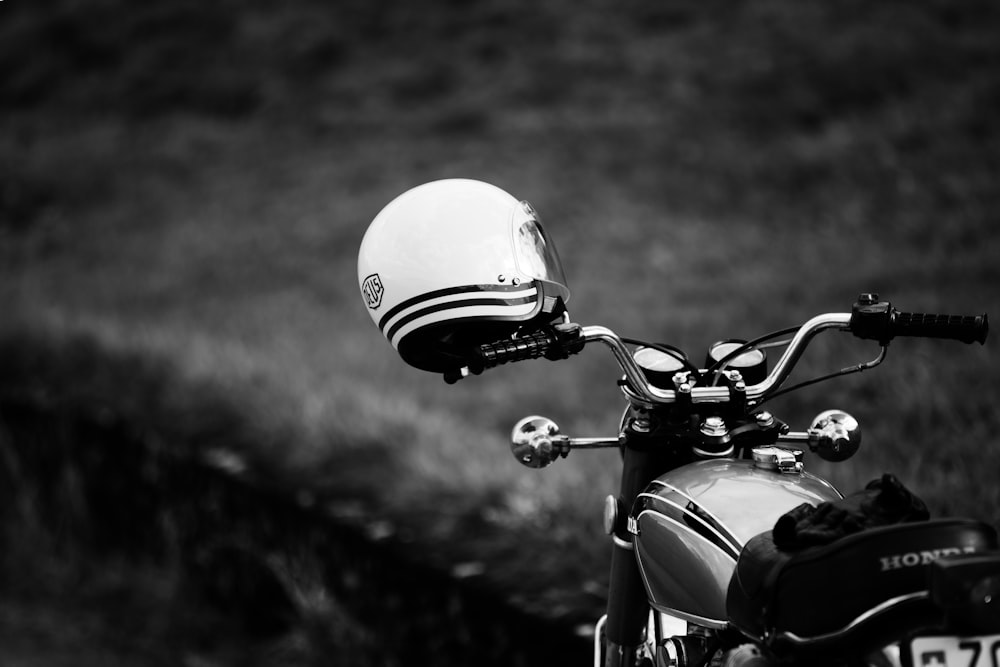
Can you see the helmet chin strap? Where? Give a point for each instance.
(553, 312)
(553, 309)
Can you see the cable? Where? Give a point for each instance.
(720, 365)
(844, 371)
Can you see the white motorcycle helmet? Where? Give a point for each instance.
(453, 264)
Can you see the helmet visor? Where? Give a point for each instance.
(535, 253)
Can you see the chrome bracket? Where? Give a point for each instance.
(785, 461)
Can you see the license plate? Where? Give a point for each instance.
(956, 651)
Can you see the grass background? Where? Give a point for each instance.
(189, 183)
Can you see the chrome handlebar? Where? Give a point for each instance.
(835, 435)
(870, 319)
(640, 389)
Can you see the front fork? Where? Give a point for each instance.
(628, 605)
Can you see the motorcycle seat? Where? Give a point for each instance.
(838, 592)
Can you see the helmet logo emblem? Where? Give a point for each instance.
(372, 291)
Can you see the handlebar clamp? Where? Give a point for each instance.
(871, 319)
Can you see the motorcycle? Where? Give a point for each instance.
(725, 550)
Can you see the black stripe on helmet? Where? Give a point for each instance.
(449, 305)
(437, 294)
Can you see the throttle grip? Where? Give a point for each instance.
(878, 320)
(964, 328)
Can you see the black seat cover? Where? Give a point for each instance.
(821, 590)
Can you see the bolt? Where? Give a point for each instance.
(640, 425)
(868, 299)
(713, 426)
(764, 418)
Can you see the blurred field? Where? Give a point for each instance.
(190, 182)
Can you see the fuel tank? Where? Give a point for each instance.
(692, 522)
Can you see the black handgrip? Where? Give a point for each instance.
(552, 342)
(874, 319)
(964, 328)
(530, 346)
